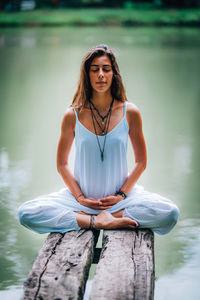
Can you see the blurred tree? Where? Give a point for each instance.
(181, 3)
(14, 5)
(47, 3)
(3, 4)
(84, 3)
(178, 3)
(70, 3)
(110, 3)
(11, 5)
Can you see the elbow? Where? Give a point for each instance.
(61, 167)
(142, 165)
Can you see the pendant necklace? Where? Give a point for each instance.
(100, 115)
(104, 133)
(103, 129)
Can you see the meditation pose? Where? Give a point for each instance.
(100, 193)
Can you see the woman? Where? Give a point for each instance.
(100, 193)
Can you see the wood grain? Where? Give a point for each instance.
(61, 268)
(126, 267)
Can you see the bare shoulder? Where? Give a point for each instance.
(69, 119)
(133, 114)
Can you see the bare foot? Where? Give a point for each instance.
(105, 220)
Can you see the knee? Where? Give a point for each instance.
(21, 215)
(169, 221)
(24, 216)
(173, 215)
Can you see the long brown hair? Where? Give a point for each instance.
(84, 91)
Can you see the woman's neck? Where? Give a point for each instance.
(101, 100)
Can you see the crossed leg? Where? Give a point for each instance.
(52, 213)
(106, 220)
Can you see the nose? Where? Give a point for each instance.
(101, 73)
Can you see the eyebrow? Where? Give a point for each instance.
(98, 66)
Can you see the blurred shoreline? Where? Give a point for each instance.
(102, 17)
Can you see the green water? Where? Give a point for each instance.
(38, 76)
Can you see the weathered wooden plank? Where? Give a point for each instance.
(126, 267)
(61, 268)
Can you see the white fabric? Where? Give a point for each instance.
(56, 212)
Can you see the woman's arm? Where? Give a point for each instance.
(134, 120)
(64, 147)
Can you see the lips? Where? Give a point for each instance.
(100, 82)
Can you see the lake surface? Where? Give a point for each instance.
(39, 70)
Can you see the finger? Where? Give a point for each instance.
(106, 199)
(102, 200)
(132, 227)
(102, 203)
(96, 203)
(102, 207)
(109, 203)
(93, 201)
(105, 207)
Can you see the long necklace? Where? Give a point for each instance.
(103, 129)
(105, 117)
(106, 128)
(100, 115)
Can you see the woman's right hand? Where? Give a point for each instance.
(92, 203)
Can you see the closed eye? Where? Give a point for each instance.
(105, 70)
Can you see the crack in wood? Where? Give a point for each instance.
(134, 243)
(134, 271)
(80, 233)
(45, 266)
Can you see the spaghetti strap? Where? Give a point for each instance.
(124, 109)
(76, 113)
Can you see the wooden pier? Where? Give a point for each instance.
(125, 269)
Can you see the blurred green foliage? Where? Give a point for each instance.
(14, 5)
(102, 16)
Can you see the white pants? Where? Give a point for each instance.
(55, 212)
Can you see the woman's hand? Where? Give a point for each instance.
(94, 203)
(110, 200)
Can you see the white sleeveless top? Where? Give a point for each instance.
(95, 177)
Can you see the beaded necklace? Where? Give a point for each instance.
(105, 130)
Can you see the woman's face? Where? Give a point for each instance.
(101, 74)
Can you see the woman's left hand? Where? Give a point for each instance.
(110, 200)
